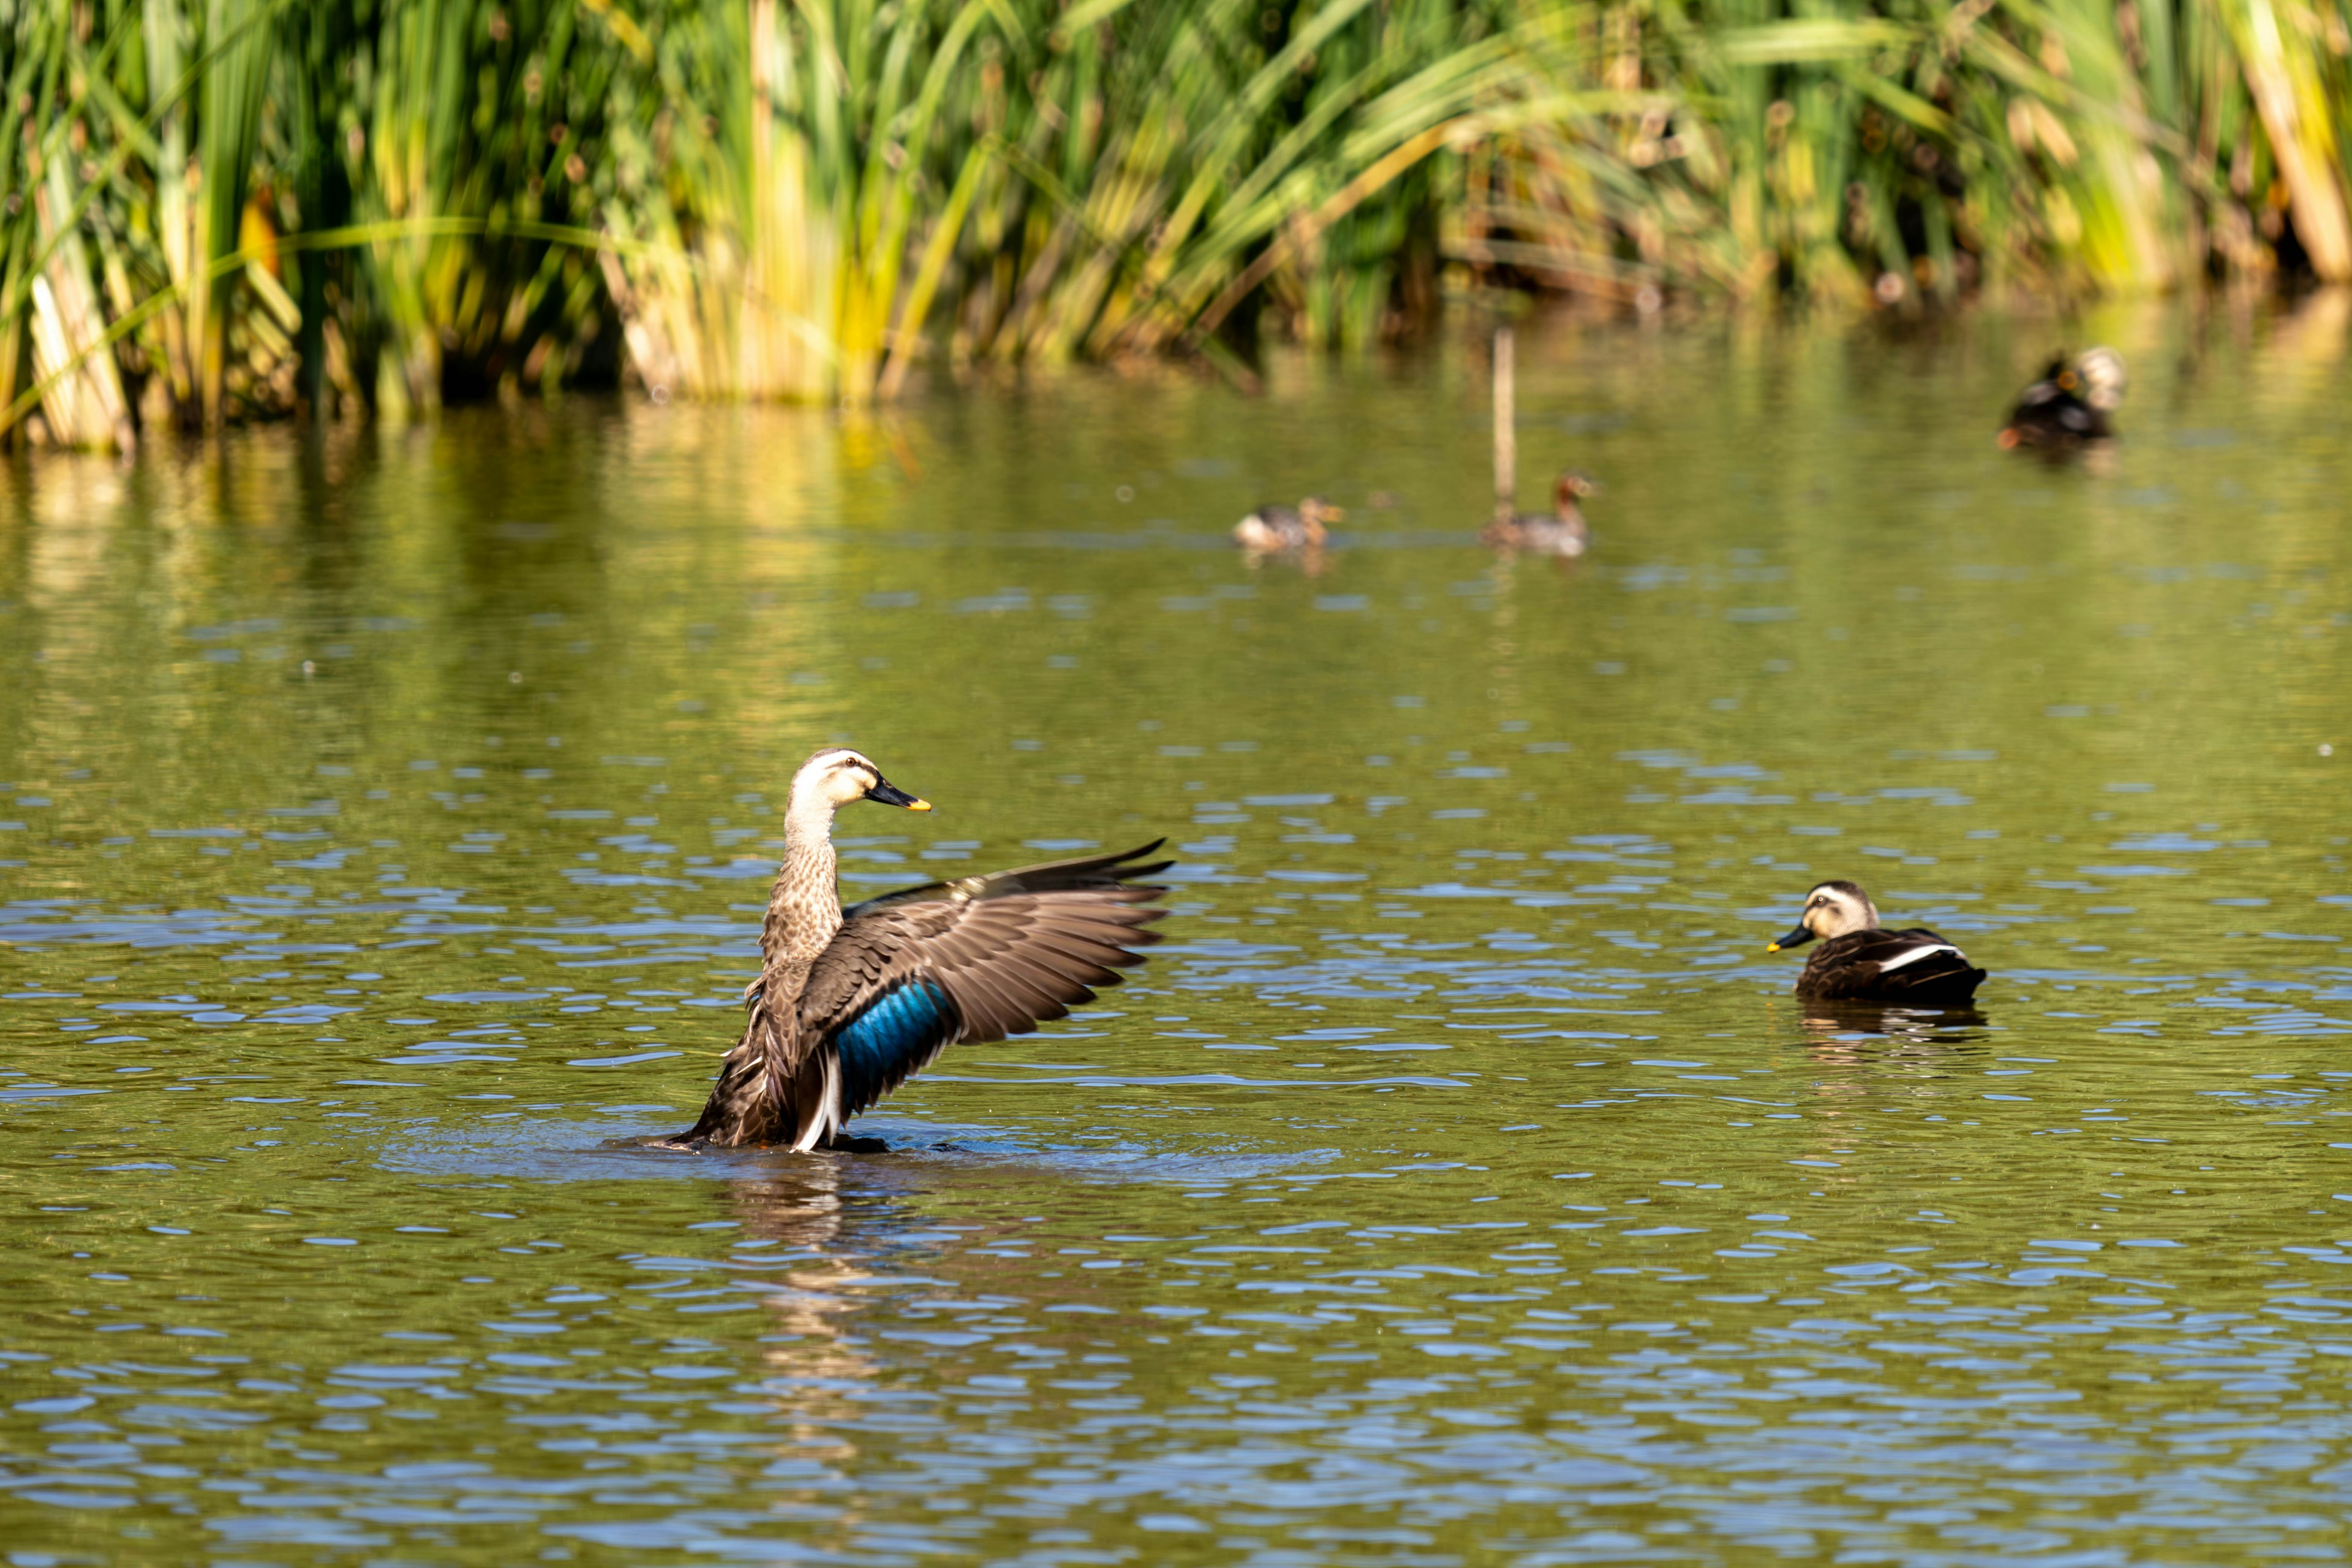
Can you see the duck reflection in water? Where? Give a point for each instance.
(815, 1369)
(803, 1212)
(855, 1249)
(1828, 1022)
(1869, 1060)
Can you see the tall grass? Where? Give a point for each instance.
(222, 209)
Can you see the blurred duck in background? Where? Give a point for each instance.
(1563, 533)
(2072, 405)
(1276, 527)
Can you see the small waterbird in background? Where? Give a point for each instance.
(852, 1003)
(1276, 528)
(2072, 405)
(1859, 960)
(1562, 534)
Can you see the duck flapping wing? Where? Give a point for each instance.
(980, 958)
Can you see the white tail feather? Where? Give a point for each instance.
(828, 1110)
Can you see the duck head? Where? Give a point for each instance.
(837, 775)
(1831, 909)
(1570, 487)
(1315, 511)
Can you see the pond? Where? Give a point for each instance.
(388, 817)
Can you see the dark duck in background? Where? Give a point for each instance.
(1859, 962)
(2071, 405)
(852, 1003)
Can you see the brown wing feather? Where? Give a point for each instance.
(1104, 871)
(765, 1093)
(1854, 966)
(1006, 960)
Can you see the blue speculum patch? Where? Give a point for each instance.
(903, 1026)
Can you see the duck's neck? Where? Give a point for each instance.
(804, 909)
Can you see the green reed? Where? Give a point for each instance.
(220, 209)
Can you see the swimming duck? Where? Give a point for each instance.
(1278, 527)
(2071, 405)
(1562, 533)
(1859, 962)
(852, 1003)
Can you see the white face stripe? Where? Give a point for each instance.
(1916, 954)
(833, 777)
(1833, 911)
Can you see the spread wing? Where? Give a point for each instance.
(1090, 871)
(913, 972)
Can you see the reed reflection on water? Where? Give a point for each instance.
(389, 816)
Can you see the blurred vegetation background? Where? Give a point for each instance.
(214, 210)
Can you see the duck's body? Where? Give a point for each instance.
(1859, 960)
(1563, 533)
(1276, 527)
(852, 1003)
(2073, 404)
(1914, 966)
(1537, 534)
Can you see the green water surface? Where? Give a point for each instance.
(387, 815)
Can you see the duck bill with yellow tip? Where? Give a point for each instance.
(1797, 938)
(884, 792)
